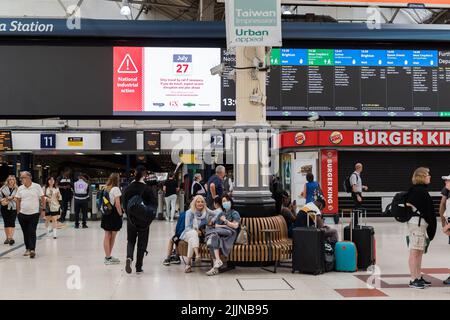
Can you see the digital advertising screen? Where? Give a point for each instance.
(118, 140)
(166, 80)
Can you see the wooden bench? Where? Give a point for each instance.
(260, 248)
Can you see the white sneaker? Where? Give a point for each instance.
(109, 261)
(218, 263)
(115, 260)
(212, 272)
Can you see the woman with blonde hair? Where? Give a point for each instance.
(112, 222)
(421, 227)
(197, 218)
(8, 207)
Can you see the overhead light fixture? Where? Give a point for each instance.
(79, 153)
(125, 10)
(287, 12)
(118, 153)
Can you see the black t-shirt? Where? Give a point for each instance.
(445, 192)
(66, 183)
(171, 187)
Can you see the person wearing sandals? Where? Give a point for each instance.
(112, 223)
(195, 221)
(52, 209)
(9, 212)
(220, 239)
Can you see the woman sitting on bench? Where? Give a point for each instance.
(195, 222)
(220, 239)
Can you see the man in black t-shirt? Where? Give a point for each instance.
(65, 184)
(170, 193)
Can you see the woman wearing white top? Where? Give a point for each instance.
(9, 212)
(52, 205)
(112, 223)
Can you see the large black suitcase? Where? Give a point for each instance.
(308, 254)
(364, 239)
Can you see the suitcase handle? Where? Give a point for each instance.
(352, 216)
(307, 217)
(362, 215)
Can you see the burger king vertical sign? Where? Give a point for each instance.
(329, 181)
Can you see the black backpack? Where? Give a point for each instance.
(347, 185)
(139, 214)
(399, 210)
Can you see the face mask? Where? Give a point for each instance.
(226, 205)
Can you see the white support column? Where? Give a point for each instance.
(251, 194)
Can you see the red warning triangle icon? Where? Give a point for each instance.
(127, 65)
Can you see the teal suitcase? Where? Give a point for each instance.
(345, 252)
(346, 256)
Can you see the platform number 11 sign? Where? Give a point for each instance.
(48, 141)
(182, 64)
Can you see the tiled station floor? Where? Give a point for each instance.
(71, 267)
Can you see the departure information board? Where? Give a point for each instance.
(5, 141)
(354, 82)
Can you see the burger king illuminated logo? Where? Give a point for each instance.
(300, 138)
(336, 137)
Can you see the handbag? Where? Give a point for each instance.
(242, 237)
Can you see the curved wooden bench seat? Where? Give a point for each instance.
(257, 250)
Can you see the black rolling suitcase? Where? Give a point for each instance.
(364, 239)
(308, 254)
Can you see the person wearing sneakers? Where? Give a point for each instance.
(422, 229)
(52, 208)
(137, 232)
(9, 212)
(170, 195)
(30, 200)
(195, 221)
(81, 200)
(112, 223)
(220, 239)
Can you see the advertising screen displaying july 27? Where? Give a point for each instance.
(166, 80)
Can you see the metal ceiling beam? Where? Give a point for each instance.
(157, 4)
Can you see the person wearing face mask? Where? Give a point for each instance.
(195, 222)
(221, 238)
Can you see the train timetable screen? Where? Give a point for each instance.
(301, 81)
(5, 141)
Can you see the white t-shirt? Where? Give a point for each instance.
(113, 194)
(30, 198)
(355, 179)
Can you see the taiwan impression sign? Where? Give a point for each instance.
(252, 23)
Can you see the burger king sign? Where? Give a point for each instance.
(336, 137)
(300, 138)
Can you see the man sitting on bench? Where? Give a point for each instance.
(313, 211)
